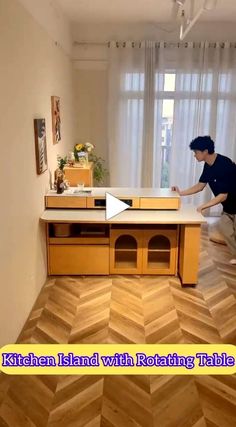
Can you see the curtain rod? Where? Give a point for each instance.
(139, 43)
(82, 43)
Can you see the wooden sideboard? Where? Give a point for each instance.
(137, 241)
(76, 175)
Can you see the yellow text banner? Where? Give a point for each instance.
(118, 359)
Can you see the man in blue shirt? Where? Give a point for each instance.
(220, 173)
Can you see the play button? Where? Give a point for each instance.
(114, 206)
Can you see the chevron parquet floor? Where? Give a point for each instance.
(129, 309)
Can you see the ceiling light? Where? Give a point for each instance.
(206, 5)
(209, 4)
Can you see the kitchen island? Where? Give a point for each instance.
(154, 236)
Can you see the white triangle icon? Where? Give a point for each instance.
(114, 206)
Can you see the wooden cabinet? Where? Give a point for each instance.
(79, 259)
(82, 241)
(101, 249)
(84, 251)
(125, 251)
(77, 175)
(144, 251)
(160, 251)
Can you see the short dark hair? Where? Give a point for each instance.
(202, 143)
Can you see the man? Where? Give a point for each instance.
(220, 173)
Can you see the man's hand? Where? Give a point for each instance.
(200, 209)
(175, 188)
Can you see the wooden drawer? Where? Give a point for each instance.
(78, 259)
(65, 202)
(100, 202)
(159, 203)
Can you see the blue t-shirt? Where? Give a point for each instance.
(221, 177)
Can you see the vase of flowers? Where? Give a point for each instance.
(81, 152)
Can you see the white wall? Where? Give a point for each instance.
(32, 69)
(49, 15)
(91, 109)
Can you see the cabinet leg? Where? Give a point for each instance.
(189, 248)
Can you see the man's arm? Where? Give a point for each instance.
(215, 201)
(192, 190)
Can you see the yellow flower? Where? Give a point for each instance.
(79, 147)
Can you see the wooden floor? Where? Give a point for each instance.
(130, 309)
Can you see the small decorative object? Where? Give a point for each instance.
(59, 173)
(56, 119)
(62, 230)
(40, 145)
(71, 159)
(83, 159)
(66, 184)
(80, 186)
(60, 184)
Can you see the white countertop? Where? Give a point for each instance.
(117, 192)
(185, 215)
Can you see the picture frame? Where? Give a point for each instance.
(40, 145)
(56, 119)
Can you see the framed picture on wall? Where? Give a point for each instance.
(40, 145)
(56, 119)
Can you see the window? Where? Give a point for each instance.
(167, 116)
(164, 107)
(195, 94)
(133, 96)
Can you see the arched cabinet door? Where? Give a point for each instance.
(126, 251)
(160, 251)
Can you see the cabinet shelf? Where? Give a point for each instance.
(158, 259)
(159, 250)
(158, 265)
(78, 232)
(125, 259)
(126, 250)
(79, 240)
(125, 264)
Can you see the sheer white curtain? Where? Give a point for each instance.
(204, 100)
(205, 104)
(132, 162)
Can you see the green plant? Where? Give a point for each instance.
(99, 171)
(61, 162)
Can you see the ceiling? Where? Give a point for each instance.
(138, 11)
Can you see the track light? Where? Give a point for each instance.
(206, 6)
(209, 4)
